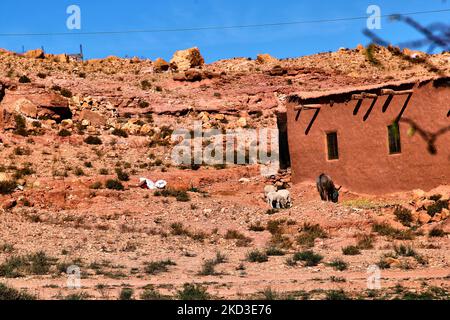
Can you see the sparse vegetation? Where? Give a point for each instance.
(24, 79)
(33, 264)
(126, 294)
(338, 264)
(242, 240)
(7, 187)
(437, 232)
(403, 215)
(113, 184)
(11, 294)
(351, 251)
(66, 93)
(257, 256)
(122, 175)
(437, 207)
(157, 267)
(120, 133)
(385, 229)
(309, 233)
(309, 258)
(64, 133)
(92, 140)
(193, 291)
(208, 267)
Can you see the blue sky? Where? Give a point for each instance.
(285, 41)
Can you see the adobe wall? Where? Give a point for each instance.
(365, 164)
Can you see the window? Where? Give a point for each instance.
(394, 139)
(332, 143)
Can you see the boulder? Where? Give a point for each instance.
(160, 65)
(265, 58)
(445, 214)
(35, 54)
(93, 118)
(61, 58)
(146, 129)
(418, 194)
(277, 71)
(193, 75)
(392, 262)
(423, 204)
(9, 204)
(424, 217)
(34, 104)
(5, 177)
(179, 76)
(242, 122)
(135, 60)
(187, 59)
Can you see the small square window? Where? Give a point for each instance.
(332, 144)
(394, 139)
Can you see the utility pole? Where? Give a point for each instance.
(81, 52)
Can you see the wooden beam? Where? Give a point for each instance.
(307, 106)
(369, 95)
(386, 92)
(364, 95)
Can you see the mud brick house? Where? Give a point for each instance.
(374, 139)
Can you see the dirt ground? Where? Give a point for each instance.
(112, 236)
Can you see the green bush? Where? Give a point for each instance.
(64, 133)
(7, 187)
(437, 232)
(126, 294)
(403, 215)
(114, 185)
(192, 291)
(437, 207)
(257, 256)
(24, 79)
(339, 265)
(11, 294)
(120, 133)
(309, 258)
(21, 125)
(156, 267)
(351, 251)
(122, 175)
(91, 140)
(66, 93)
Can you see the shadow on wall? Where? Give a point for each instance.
(429, 137)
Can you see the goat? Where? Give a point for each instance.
(326, 188)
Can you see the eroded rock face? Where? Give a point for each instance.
(187, 59)
(160, 65)
(35, 54)
(266, 58)
(94, 118)
(33, 104)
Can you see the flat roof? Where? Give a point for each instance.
(345, 94)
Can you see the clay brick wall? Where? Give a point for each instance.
(365, 164)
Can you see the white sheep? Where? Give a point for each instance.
(285, 198)
(268, 189)
(279, 199)
(273, 199)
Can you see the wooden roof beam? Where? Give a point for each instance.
(307, 106)
(390, 92)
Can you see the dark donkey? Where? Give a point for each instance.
(326, 188)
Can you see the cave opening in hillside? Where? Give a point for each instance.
(285, 158)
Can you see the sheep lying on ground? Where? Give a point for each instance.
(279, 199)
